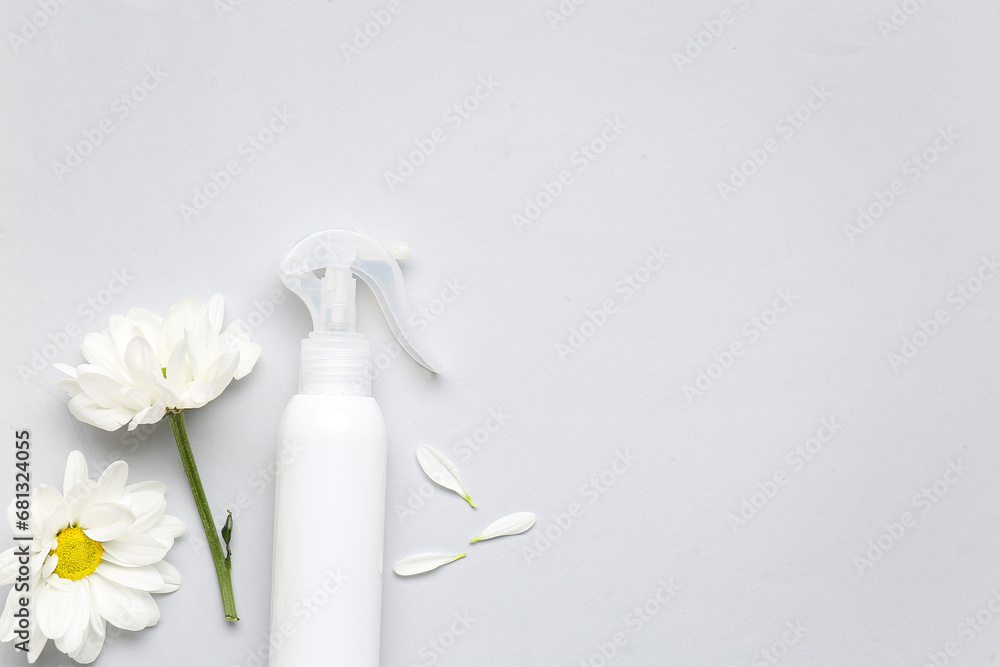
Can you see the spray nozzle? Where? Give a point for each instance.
(321, 270)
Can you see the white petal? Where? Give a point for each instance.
(423, 563)
(166, 529)
(36, 646)
(7, 616)
(224, 371)
(76, 633)
(69, 385)
(512, 524)
(87, 410)
(111, 483)
(150, 415)
(198, 393)
(199, 341)
(141, 487)
(149, 326)
(65, 368)
(81, 495)
(146, 578)
(122, 331)
(214, 308)
(102, 522)
(142, 364)
(235, 338)
(171, 577)
(221, 372)
(181, 316)
(49, 565)
(441, 470)
(100, 352)
(92, 643)
(148, 507)
(45, 499)
(126, 608)
(57, 608)
(103, 389)
(178, 368)
(134, 549)
(154, 610)
(51, 524)
(76, 471)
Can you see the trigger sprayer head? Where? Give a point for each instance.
(321, 270)
(336, 311)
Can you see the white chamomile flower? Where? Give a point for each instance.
(143, 366)
(95, 557)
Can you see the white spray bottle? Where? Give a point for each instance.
(326, 597)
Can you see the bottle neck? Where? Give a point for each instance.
(335, 363)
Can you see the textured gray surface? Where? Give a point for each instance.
(612, 536)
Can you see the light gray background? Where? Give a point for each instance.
(687, 126)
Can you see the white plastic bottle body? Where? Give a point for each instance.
(326, 597)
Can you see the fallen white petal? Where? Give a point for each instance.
(512, 524)
(423, 563)
(442, 471)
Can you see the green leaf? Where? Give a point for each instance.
(227, 534)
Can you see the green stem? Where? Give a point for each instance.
(191, 468)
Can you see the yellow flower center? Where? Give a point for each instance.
(78, 554)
